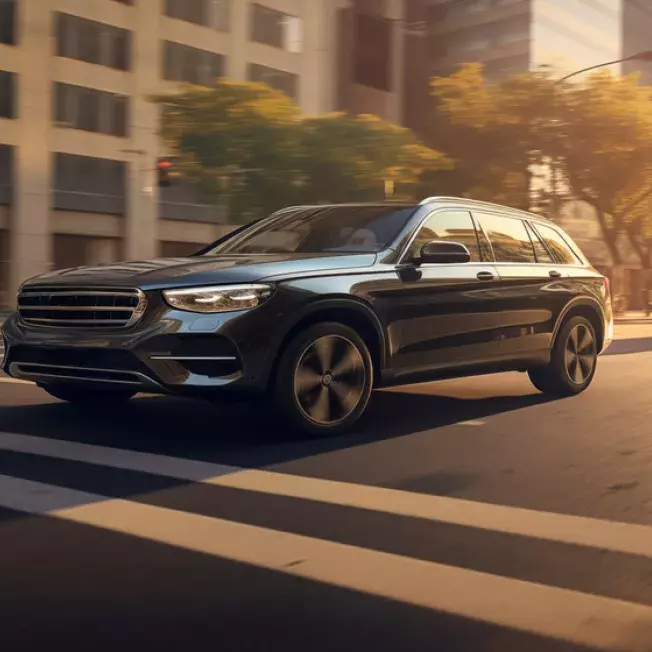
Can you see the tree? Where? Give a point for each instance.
(236, 140)
(349, 158)
(590, 141)
(492, 132)
(606, 149)
(249, 142)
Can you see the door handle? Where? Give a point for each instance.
(553, 273)
(485, 276)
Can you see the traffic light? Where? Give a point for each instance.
(164, 173)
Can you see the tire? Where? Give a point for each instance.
(87, 397)
(568, 373)
(311, 393)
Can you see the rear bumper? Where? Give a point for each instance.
(608, 331)
(171, 352)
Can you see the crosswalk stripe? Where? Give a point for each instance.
(625, 538)
(583, 619)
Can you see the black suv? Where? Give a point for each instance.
(314, 306)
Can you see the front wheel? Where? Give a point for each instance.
(87, 396)
(324, 379)
(573, 360)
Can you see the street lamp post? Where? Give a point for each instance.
(639, 56)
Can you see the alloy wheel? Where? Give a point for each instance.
(580, 354)
(329, 379)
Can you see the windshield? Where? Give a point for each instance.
(320, 229)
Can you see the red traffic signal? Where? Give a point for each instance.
(163, 168)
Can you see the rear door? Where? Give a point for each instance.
(532, 285)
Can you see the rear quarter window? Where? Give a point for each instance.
(561, 246)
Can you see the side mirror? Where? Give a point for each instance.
(442, 251)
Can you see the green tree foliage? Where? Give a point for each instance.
(591, 140)
(249, 142)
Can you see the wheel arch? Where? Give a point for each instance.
(583, 307)
(350, 312)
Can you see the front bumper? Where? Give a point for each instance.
(168, 351)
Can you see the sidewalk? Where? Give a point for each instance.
(632, 316)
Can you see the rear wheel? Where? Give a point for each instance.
(573, 360)
(324, 379)
(87, 396)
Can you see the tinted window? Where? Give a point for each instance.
(557, 245)
(543, 256)
(320, 229)
(7, 99)
(509, 238)
(454, 226)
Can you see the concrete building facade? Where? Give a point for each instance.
(510, 36)
(79, 137)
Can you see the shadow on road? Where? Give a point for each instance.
(243, 434)
(636, 345)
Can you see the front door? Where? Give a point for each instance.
(441, 315)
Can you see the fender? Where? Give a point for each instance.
(319, 305)
(576, 303)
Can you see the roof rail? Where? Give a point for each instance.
(430, 200)
(479, 202)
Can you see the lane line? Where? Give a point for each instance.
(583, 619)
(625, 538)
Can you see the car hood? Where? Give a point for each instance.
(202, 270)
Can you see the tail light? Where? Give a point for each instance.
(607, 286)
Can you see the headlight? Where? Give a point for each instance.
(219, 298)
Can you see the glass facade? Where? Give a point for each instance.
(572, 34)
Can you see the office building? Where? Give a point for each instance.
(511, 36)
(637, 37)
(79, 137)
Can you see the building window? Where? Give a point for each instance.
(7, 94)
(275, 28)
(209, 13)
(372, 51)
(88, 184)
(279, 79)
(93, 42)
(6, 174)
(87, 109)
(8, 22)
(185, 64)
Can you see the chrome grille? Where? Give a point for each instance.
(81, 307)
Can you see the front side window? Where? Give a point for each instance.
(320, 230)
(509, 238)
(558, 245)
(453, 226)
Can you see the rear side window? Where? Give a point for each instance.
(453, 226)
(558, 245)
(509, 238)
(542, 254)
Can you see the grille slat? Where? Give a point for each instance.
(81, 307)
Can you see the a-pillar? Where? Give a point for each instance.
(30, 246)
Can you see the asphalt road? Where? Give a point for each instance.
(464, 515)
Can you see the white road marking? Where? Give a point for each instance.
(577, 530)
(16, 381)
(476, 422)
(583, 619)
